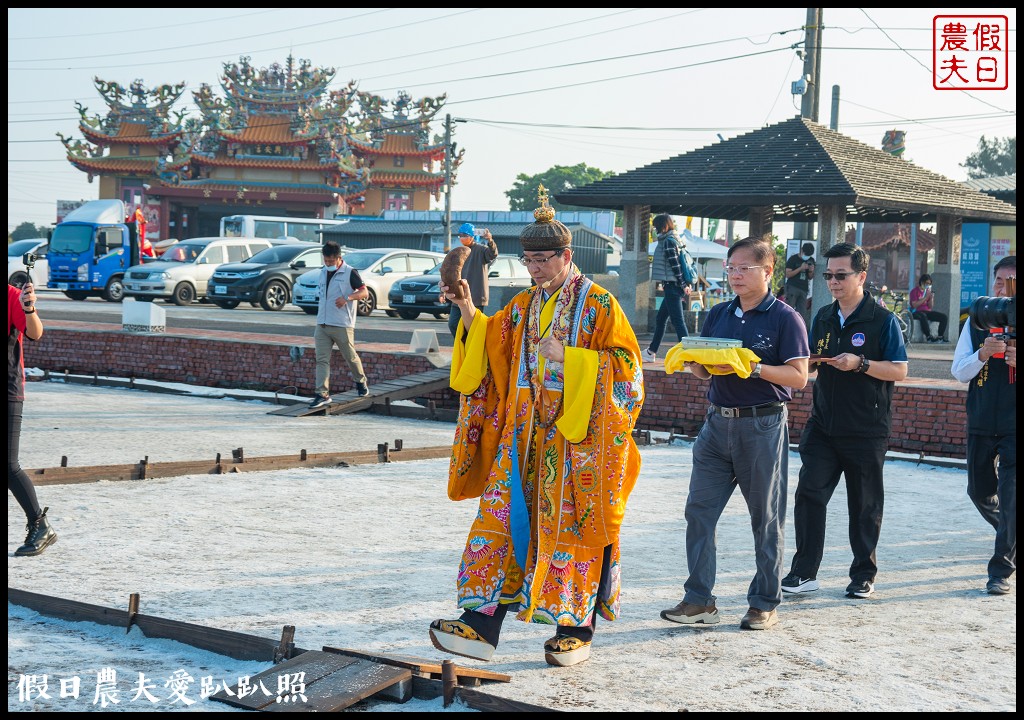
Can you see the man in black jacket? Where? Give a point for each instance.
(988, 363)
(858, 352)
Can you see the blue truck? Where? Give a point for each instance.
(90, 250)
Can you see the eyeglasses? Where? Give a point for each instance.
(829, 277)
(536, 262)
(740, 269)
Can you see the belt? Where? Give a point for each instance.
(755, 411)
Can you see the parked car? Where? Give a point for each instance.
(421, 294)
(17, 273)
(379, 268)
(182, 273)
(267, 277)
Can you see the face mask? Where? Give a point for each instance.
(927, 287)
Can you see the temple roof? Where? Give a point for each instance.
(392, 178)
(265, 128)
(130, 132)
(134, 166)
(270, 162)
(792, 167)
(890, 236)
(403, 145)
(351, 189)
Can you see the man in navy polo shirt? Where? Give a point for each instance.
(862, 355)
(745, 438)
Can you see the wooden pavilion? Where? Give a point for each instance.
(794, 171)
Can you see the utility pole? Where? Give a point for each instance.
(447, 182)
(809, 101)
(812, 64)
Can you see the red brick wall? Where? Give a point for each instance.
(929, 419)
(926, 418)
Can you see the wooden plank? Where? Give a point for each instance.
(240, 646)
(489, 703)
(418, 665)
(67, 609)
(95, 473)
(345, 687)
(429, 689)
(315, 664)
(393, 388)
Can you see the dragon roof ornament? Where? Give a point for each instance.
(407, 117)
(138, 104)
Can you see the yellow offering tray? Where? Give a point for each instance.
(697, 343)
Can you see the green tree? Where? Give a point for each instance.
(558, 179)
(992, 158)
(27, 230)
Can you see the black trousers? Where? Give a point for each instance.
(489, 626)
(925, 317)
(994, 493)
(18, 481)
(671, 307)
(825, 458)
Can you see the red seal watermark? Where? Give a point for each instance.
(970, 52)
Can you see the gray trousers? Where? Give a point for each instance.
(753, 454)
(797, 299)
(325, 338)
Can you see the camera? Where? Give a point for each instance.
(29, 259)
(987, 313)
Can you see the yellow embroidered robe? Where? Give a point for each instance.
(571, 439)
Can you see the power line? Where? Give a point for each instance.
(163, 27)
(290, 46)
(565, 66)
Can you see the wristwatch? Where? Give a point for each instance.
(756, 372)
(864, 364)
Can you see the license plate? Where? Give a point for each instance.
(62, 286)
(409, 299)
(219, 289)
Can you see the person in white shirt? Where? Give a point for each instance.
(341, 289)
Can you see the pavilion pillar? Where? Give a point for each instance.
(831, 231)
(634, 294)
(760, 219)
(946, 276)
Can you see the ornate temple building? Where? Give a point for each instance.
(277, 141)
(398, 150)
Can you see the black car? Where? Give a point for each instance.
(265, 278)
(422, 293)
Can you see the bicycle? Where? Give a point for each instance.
(900, 309)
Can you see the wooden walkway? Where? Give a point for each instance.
(349, 401)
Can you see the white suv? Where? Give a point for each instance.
(379, 269)
(182, 273)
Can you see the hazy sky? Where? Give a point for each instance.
(613, 88)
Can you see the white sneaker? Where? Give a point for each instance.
(648, 356)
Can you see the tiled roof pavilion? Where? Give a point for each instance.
(792, 167)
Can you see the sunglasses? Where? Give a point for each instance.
(836, 276)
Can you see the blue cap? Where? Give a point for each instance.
(466, 229)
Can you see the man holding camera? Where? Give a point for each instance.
(986, 360)
(799, 271)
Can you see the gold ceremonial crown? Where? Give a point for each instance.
(545, 213)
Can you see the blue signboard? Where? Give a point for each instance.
(973, 262)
